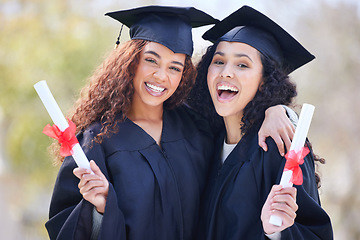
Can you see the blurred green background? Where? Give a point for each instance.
(63, 41)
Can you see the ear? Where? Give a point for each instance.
(261, 85)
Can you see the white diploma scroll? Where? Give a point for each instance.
(59, 120)
(297, 143)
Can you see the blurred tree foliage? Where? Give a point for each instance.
(331, 31)
(333, 84)
(42, 40)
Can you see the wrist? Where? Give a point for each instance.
(100, 210)
(274, 236)
(274, 109)
(268, 234)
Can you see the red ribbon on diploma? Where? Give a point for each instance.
(67, 138)
(293, 162)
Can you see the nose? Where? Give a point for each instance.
(227, 71)
(160, 74)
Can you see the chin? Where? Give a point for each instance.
(222, 112)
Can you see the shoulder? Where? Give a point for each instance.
(87, 140)
(88, 135)
(89, 132)
(255, 151)
(99, 148)
(92, 131)
(267, 165)
(188, 114)
(192, 121)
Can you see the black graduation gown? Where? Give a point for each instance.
(238, 189)
(154, 192)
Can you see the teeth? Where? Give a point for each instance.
(227, 88)
(155, 88)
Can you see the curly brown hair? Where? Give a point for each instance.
(107, 97)
(110, 90)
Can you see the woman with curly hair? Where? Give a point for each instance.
(149, 152)
(246, 71)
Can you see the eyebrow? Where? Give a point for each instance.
(158, 56)
(239, 55)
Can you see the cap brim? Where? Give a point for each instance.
(195, 17)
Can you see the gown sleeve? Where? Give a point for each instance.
(311, 222)
(70, 216)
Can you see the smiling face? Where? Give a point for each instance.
(234, 76)
(157, 76)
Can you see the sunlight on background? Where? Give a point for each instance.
(63, 41)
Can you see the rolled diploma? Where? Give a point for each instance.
(59, 120)
(297, 143)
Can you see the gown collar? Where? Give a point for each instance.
(132, 137)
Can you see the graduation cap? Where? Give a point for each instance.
(169, 26)
(247, 25)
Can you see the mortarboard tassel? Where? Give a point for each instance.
(118, 38)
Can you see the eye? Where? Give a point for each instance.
(175, 69)
(218, 62)
(150, 60)
(241, 65)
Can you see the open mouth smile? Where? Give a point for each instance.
(226, 92)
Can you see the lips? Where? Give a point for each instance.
(154, 90)
(226, 92)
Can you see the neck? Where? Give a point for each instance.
(149, 118)
(145, 112)
(233, 131)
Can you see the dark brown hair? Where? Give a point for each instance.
(275, 89)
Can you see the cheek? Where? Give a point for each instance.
(211, 76)
(258, 84)
(251, 89)
(175, 82)
(141, 72)
(136, 82)
(178, 80)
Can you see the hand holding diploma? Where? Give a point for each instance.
(292, 172)
(283, 202)
(63, 131)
